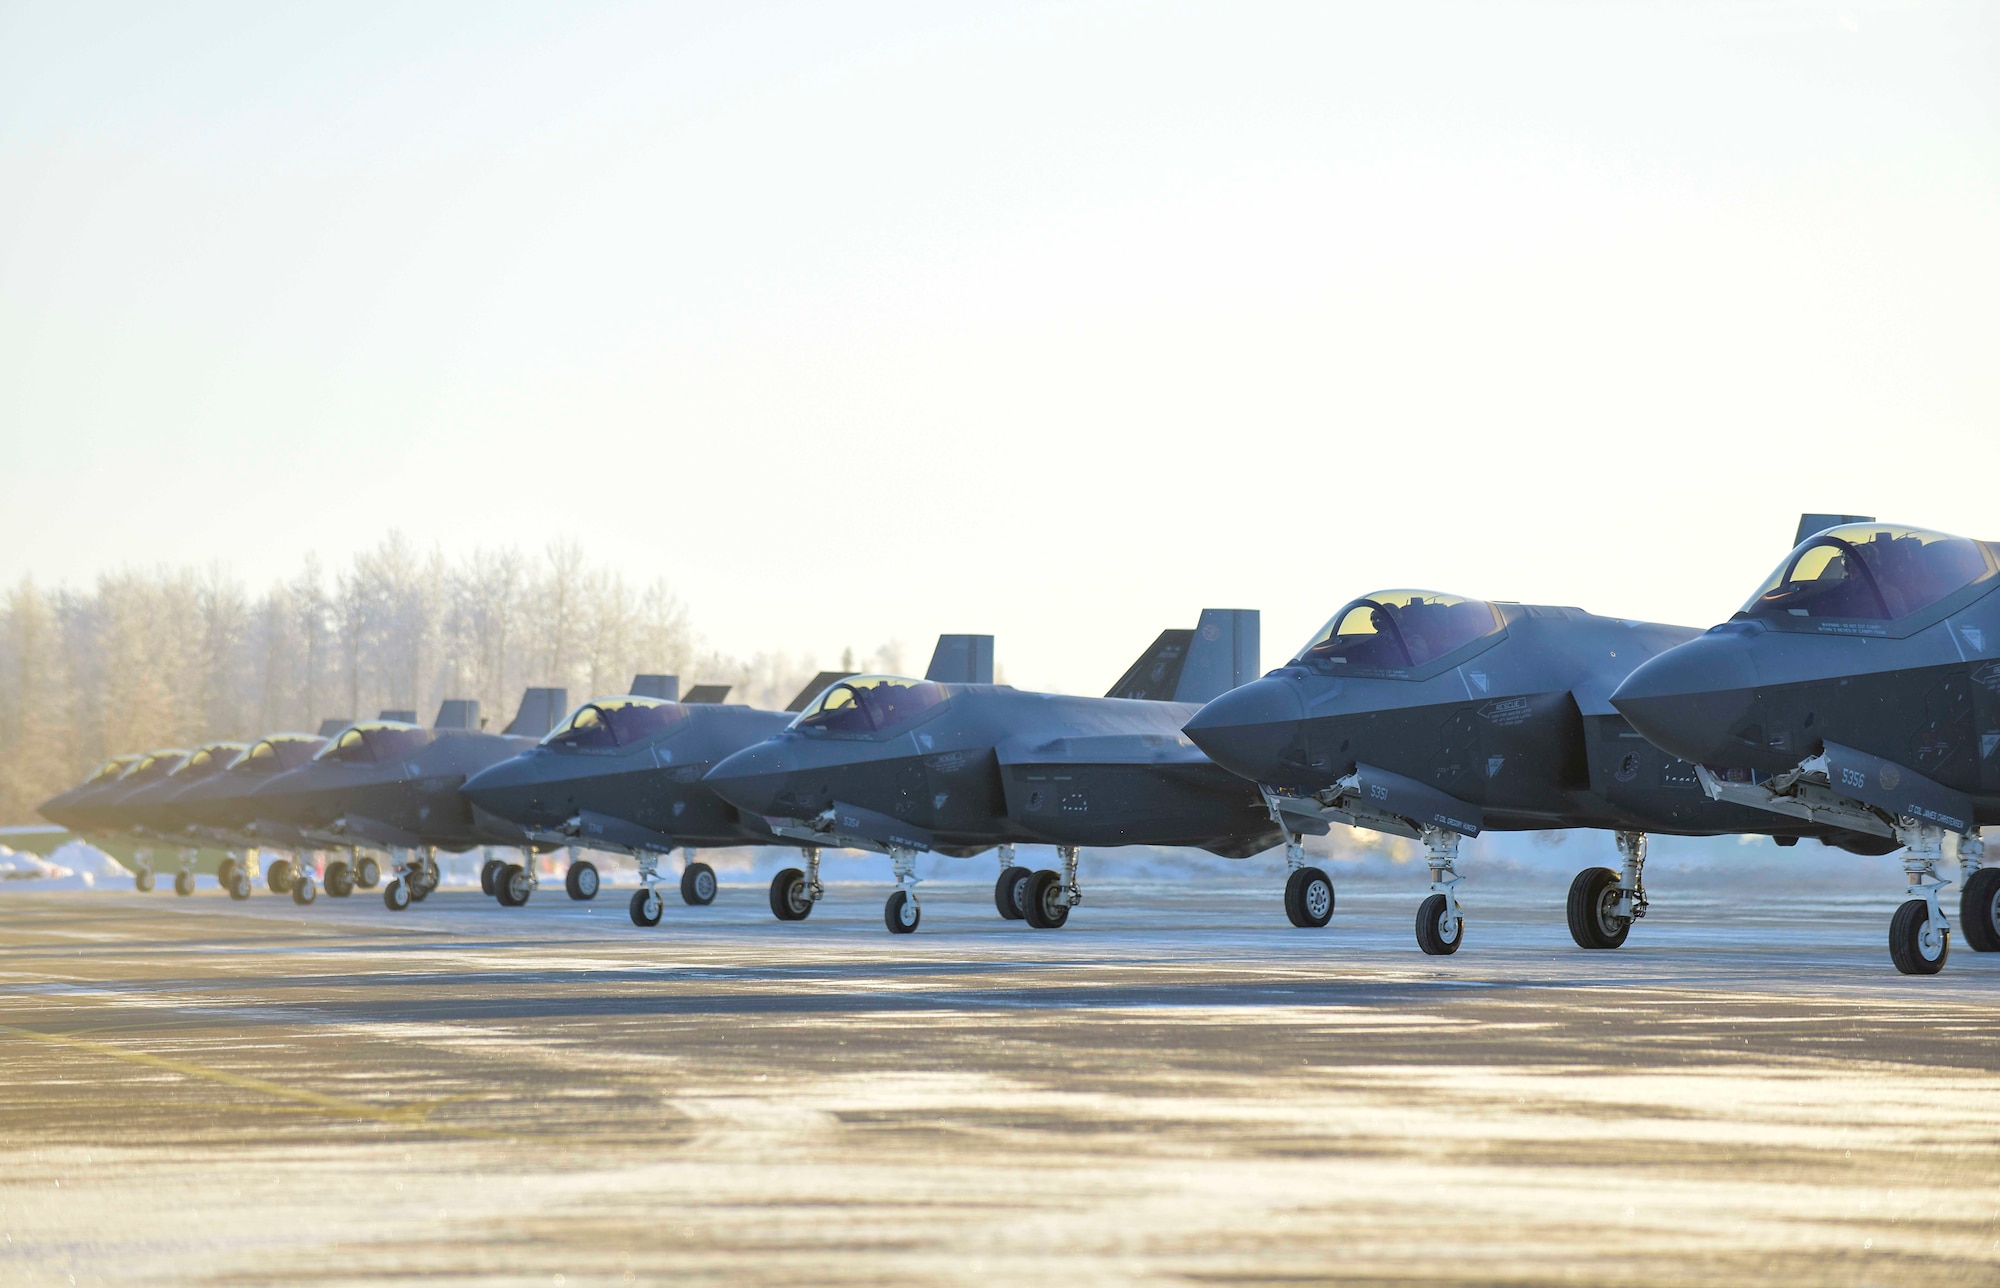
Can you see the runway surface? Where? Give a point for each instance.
(1177, 1087)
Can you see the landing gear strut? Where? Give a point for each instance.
(793, 893)
(1308, 890)
(901, 913)
(1440, 921)
(142, 880)
(1604, 903)
(1049, 896)
(184, 879)
(514, 883)
(1919, 935)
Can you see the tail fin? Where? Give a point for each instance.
(1198, 665)
(407, 717)
(667, 688)
(333, 725)
(458, 713)
(816, 686)
(962, 659)
(540, 710)
(706, 694)
(1811, 523)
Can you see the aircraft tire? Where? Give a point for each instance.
(1430, 932)
(225, 871)
(1906, 940)
(511, 886)
(581, 880)
(419, 890)
(239, 884)
(1309, 898)
(901, 913)
(646, 908)
(396, 895)
(366, 873)
(339, 879)
(1979, 911)
(788, 896)
(142, 880)
(698, 885)
(1007, 891)
(1588, 925)
(183, 883)
(279, 878)
(1041, 905)
(489, 872)
(303, 890)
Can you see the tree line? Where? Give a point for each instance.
(171, 657)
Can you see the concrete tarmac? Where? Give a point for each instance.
(1177, 1087)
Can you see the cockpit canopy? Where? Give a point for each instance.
(1872, 572)
(870, 704)
(267, 756)
(154, 764)
(615, 722)
(213, 758)
(1399, 630)
(110, 769)
(374, 740)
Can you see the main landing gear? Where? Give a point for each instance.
(698, 887)
(1049, 896)
(1979, 896)
(1440, 921)
(1603, 903)
(184, 879)
(793, 893)
(238, 874)
(580, 881)
(413, 881)
(1308, 890)
(1011, 887)
(279, 876)
(142, 878)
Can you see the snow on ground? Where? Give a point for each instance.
(75, 865)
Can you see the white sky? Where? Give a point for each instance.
(1058, 322)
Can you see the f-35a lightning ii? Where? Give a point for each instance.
(1436, 717)
(625, 773)
(394, 785)
(1859, 691)
(903, 766)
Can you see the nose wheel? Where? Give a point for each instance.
(1308, 890)
(646, 907)
(1440, 921)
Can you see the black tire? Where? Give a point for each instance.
(642, 915)
(1430, 928)
(581, 880)
(1309, 898)
(1007, 891)
(184, 883)
(1041, 901)
(1906, 940)
(789, 901)
(304, 889)
(396, 895)
(1979, 911)
(1589, 923)
(142, 880)
(489, 873)
(698, 885)
(901, 913)
(279, 878)
(366, 873)
(239, 884)
(511, 886)
(339, 879)
(224, 871)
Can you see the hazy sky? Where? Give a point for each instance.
(1059, 322)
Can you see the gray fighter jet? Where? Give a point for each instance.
(1858, 690)
(394, 785)
(147, 812)
(1436, 717)
(217, 809)
(78, 808)
(903, 766)
(625, 773)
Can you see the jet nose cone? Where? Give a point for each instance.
(753, 778)
(1249, 729)
(498, 787)
(1692, 700)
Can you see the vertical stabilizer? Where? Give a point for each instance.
(540, 710)
(333, 725)
(667, 688)
(1222, 654)
(458, 713)
(706, 695)
(962, 659)
(1156, 676)
(407, 717)
(1811, 523)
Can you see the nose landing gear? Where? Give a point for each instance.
(1919, 935)
(901, 913)
(1440, 921)
(1308, 890)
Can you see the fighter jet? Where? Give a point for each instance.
(147, 811)
(625, 773)
(394, 784)
(903, 766)
(73, 809)
(1437, 717)
(217, 809)
(1859, 690)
